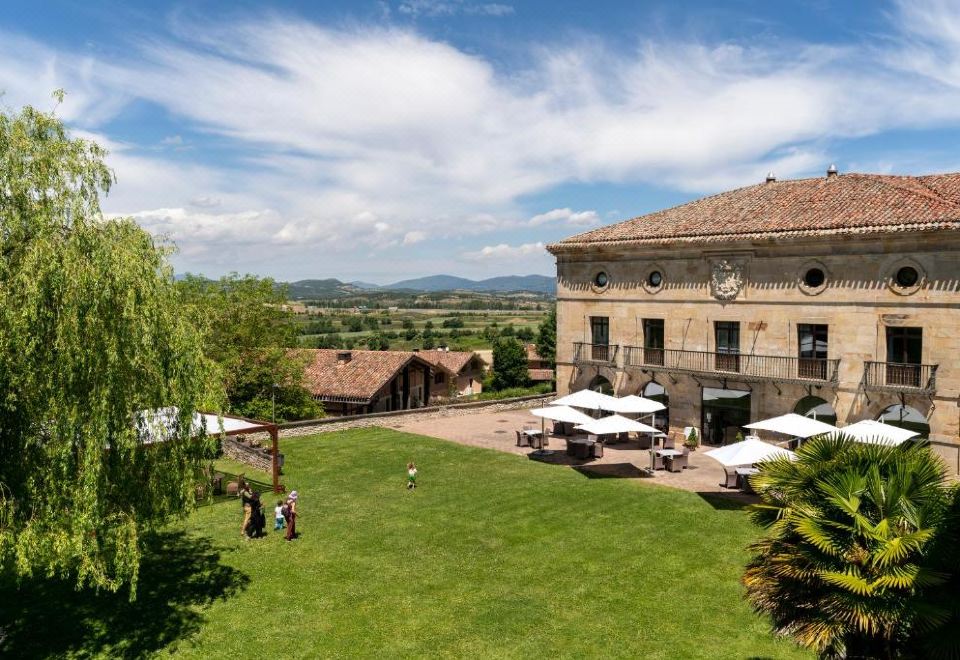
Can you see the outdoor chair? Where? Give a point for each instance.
(731, 478)
(624, 437)
(596, 450)
(571, 447)
(669, 442)
(657, 461)
(522, 440)
(677, 463)
(558, 428)
(646, 442)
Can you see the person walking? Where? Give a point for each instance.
(411, 476)
(246, 499)
(292, 515)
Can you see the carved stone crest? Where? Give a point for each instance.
(726, 279)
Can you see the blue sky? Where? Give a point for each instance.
(386, 140)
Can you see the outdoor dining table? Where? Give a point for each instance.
(668, 452)
(743, 476)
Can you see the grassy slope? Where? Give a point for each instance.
(493, 555)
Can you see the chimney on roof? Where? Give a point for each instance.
(343, 357)
(832, 170)
(771, 177)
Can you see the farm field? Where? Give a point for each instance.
(420, 329)
(493, 555)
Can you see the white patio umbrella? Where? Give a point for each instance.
(615, 424)
(562, 414)
(793, 425)
(868, 430)
(635, 404)
(748, 452)
(588, 399)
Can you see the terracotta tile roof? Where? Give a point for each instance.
(358, 379)
(841, 204)
(538, 375)
(452, 361)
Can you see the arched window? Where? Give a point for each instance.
(601, 384)
(906, 418)
(816, 408)
(656, 392)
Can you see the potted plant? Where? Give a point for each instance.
(692, 440)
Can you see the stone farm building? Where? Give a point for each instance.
(350, 382)
(458, 373)
(836, 297)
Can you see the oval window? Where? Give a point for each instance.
(814, 278)
(601, 280)
(907, 276)
(655, 279)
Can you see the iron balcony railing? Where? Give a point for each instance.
(766, 367)
(595, 353)
(900, 377)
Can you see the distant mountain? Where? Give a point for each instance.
(535, 283)
(329, 288)
(434, 283)
(334, 288)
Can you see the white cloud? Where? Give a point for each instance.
(372, 138)
(565, 215)
(503, 252)
(414, 237)
(439, 8)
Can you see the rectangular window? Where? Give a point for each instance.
(600, 338)
(904, 355)
(727, 335)
(653, 341)
(438, 378)
(812, 351)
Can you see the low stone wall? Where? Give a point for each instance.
(255, 457)
(328, 424)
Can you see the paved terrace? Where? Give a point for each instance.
(497, 430)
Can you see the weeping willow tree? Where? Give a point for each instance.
(90, 333)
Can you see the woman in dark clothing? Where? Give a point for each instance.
(257, 518)
(246, 495)
(292, 516)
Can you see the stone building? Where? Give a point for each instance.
(836, 297)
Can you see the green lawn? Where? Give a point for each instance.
(493, 555)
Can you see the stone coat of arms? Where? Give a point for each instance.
(726, 279)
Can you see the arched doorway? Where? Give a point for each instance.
(601, 384)
(656, 392)
(905, 417)
(816, 408)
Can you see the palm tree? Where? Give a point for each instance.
(846, 567)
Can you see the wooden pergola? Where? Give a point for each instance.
(220, 426)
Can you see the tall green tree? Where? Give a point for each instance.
(847, 567)
(509, 364)
(249, 333)
(547, 338)
(91, 332)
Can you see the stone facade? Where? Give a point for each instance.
(759, 284)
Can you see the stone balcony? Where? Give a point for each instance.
(595, 354)
(732, 365)
(899, 377)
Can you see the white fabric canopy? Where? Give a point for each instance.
(868, 430)
(562, 414)
(586, 399)
(157, 425)
(615, 424)
(635, 404)
(794, 425)
(748, 452)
